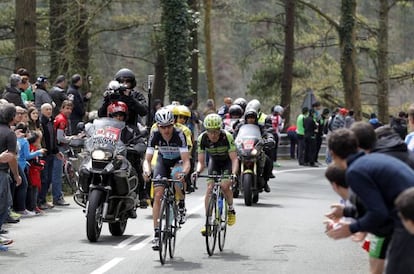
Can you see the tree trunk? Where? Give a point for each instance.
(81, 50)
(382, 84)
(347, 37)
(25, 42)
(286, 85)
(193, 4)
(58, 62)
(158, 88)
(209, 55)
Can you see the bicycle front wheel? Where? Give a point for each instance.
(163, 229)
(211, 226)
(173, 230)
(222, 230)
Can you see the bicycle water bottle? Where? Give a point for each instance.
(220, 204)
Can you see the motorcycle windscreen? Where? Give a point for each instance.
(105, 134)
(248, 136)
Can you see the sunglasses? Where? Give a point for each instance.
(164, 127)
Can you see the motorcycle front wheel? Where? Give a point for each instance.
(94, 218)
(247, 188)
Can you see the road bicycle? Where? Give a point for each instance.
(168, 224)
(71, 164)
(216, 215)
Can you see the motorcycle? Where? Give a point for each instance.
(107, 180)
(250, 150)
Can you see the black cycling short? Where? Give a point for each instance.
(217, 167)
(163, 169)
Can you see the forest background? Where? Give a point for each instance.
(356, 54)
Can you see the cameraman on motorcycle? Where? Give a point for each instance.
(134, 99)
(250, 117)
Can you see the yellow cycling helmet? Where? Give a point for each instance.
(183, 111)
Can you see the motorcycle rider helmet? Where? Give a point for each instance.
(235, 110)
(250, 113)
(164, 117)
(279, 109)
(117, 108)
(254, 104)
(126, 75)
(241, 102)
(213, 121)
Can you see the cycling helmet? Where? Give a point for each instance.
(254, 104)
(213, 121)
(250, 112)
(236, 110)
(164, 117)
(183, 111)
(126, 74)
(241, 102)
(279, 109)
(117, 107)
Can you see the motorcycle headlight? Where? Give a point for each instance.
(254, 152)
(101, 155)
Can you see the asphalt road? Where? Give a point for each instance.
(283, 233)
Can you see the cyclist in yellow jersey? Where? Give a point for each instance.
(219, 144)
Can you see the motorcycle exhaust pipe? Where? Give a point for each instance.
(105, 210)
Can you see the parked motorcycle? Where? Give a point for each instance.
(250, 150)
(107, 180)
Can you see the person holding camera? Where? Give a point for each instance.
(134, 99)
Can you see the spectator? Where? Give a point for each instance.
(349, 119)
(34, 122)
(405, 207)
(36, 165)
(374, 121)
(8, 161)
(41, 94)
(310, 127)
(277, 126)
(52, 173)
(76, 96)
(27, 93)
(293, 138)
(300, 132)
(399, 124)
(210, 107)
(409, 140)
(224, 109)
(377, 179)
(12, 93)
(156, 105)
(58, 93)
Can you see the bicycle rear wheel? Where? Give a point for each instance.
(211, 226)
(222, 230)
(173, 231)
(163, 228)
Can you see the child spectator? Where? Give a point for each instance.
(405, 207)
(34, 173)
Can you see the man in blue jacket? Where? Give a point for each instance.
(377, 179)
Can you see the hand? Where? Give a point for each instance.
(43, 151)
(336, 213)
(6, 156)
(60, 156)
(18, 180)
(339, 232)
(359, 236)
(146, 175)
(180, 176)
(88, 95)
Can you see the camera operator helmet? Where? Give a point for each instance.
(126, 76)
(279, 109)
(164, 117)
(241, 102)
(235, 111)
(254, 104)
(117, 108)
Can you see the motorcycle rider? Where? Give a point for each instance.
(135, 100)
(219, 144)
(235, 113)
(250, 117)
(130, 135)
(172, 150)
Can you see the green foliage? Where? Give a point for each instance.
(175, 19)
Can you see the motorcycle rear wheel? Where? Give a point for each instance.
(94, 218)
(118, 228)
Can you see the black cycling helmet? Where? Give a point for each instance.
(236, 110)
(126, 74)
